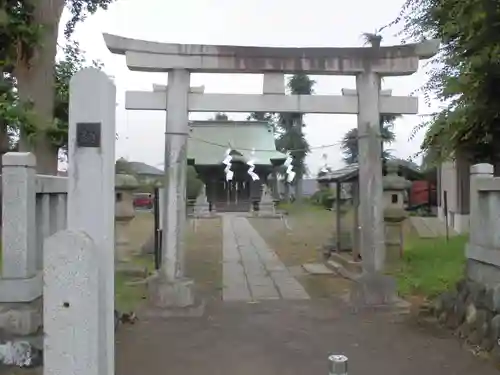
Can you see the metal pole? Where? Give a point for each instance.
(338, 228)
(337, 364)
(445, 207)
(157, 229)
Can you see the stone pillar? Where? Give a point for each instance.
(461, 216)
(274, 83)
(370, 173)
(169, 289)
(355, 221)
(124, 213)
(71, 304)
(19, 258)
(255, 194)
(21, 280)
(201, 206)
(276, 186)
(394, 212)
(478, 232)
(373, 288)
(176, 133)
(91, 188)
(266, 201)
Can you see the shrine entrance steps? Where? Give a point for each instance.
(243, 206)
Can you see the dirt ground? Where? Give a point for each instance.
(203, 260)
(300, 242)
(283, 337)
(204, 256)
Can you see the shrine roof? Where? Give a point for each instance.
(349, 173)
(209, 140)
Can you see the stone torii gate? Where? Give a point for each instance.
(368, 64)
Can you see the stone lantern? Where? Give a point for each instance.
(394, 211)
(124, 213)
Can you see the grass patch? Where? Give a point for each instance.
(310, 228)
(128, 295)
(430, 266)
(203, 261)
(204, 256)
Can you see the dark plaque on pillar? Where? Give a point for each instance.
(88, 134)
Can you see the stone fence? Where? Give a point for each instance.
(33, 208)
(483, 249)
(473, 307)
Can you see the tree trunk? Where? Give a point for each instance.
(298, 187)
(35, 78)
(4, 139)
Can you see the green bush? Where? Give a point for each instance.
(323, 197)
(193, 183)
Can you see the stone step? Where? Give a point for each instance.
(429, 227)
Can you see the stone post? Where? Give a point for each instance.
(355, 221)
(274, 83)
(71, 304)
(266, 201)
(275, 183)
(201, 205)
(478, 232)
(124, 213)
(91, 189)
(370, 173)
(394, 212)
(19, 258)
(21, 280)
(169, 289)
(255, 195)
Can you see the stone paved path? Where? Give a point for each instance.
(251, 270)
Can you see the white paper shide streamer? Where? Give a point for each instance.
(227, 162)
(290, 174)
(251, 166)
(325, 165)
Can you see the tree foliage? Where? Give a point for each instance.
(290, 129)
(289, 126)
(15, 115)
(29, 103)
(349, 143)
(220, 116)
(464, 76)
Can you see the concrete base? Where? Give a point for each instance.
(317, 269)
(21, 319)
(266, 215)
(167, 294)
(346, 261)
(373, 290)
(194, 311)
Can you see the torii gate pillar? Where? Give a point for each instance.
(169, 288)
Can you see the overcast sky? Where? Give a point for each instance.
(244, 22)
